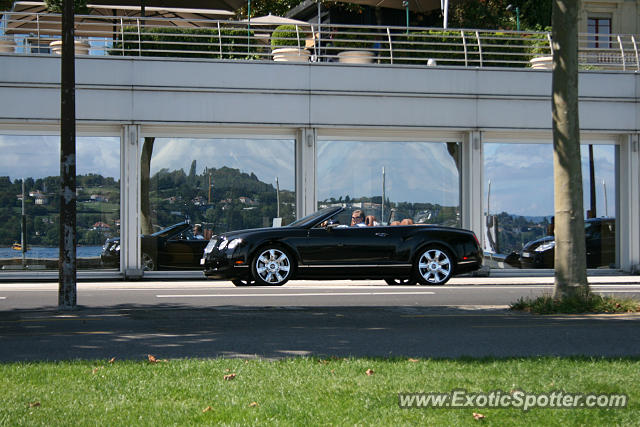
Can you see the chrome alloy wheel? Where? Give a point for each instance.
(434, 267)
(272, 267)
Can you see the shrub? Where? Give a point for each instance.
(231, 43)
(288, 35)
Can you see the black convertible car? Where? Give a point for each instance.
(318, 247)
(174, 248)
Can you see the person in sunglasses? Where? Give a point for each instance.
(357, 218)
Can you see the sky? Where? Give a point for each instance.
(521, 175)
(39, 156)
(521, 178)
(414, 171)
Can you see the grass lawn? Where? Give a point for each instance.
(303, 391)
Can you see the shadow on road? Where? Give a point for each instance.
(174, 331)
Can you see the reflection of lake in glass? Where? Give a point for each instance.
(41, 252)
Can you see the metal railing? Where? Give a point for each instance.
(232, 40)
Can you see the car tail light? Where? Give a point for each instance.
(476, 238)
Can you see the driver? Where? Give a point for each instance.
(357, 218)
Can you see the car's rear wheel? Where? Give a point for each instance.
(148, 263)
(272, 266)
(433, 267)
(400, 282)
(243, 282)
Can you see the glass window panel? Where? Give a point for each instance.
(519, 207)
(36, 159)
(421, 180)
(219, 184)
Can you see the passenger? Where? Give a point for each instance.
(395, 223)
(357, 218)
(406, 221)
(370, 221)
(197, 232)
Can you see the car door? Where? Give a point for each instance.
(340, 246)
(182, 251)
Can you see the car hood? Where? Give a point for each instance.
(531, 246)
(230, 235)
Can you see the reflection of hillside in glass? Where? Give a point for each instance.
(222, 184)
(37, 159)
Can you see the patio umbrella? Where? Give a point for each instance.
(420, 6)
(32, 17)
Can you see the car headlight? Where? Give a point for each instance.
(210, 246)
(223, 244)
(232, 244)
(546, 246)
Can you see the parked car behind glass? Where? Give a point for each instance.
(600, 239)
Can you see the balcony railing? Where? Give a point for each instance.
(28, 34)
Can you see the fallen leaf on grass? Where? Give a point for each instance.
(207, 409)
(253, 404)
(478, 416)
(34, 404)
(113, 359)
(229, 377)
(369, 372)
(94, 370)
(152, 358)
(413, 360)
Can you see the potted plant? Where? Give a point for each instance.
(288, 44)
(354, 46)
(540, 51)
(79, 6)
(7, 45)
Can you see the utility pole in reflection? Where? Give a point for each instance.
(67, 296)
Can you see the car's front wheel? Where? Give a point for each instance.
(272, 266)
(433, 267)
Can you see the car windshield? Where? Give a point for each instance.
(314, 217)
(165, 232)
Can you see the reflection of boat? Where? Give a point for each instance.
(16, 246)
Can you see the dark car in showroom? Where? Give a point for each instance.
(319, 247)
(600, 241)
(173, 248)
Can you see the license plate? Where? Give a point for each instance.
(202, 261)
(526, 255)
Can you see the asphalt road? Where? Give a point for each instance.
(213, 319)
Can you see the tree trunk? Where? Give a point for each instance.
(570, 255)
(145, 178)
(67, 267)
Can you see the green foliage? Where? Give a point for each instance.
(79, 6)
(6, 4)
(288, 35)
(491, 14)
(353, 38)
(230, 43)
(590, 303)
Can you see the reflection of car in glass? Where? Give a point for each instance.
(600, 239)
(174, 248)
(317, 247)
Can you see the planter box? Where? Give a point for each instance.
(81, 47)
(542, 62)
(7, 46)
(290, 54)
(355, 57)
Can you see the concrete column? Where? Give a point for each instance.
(628, 204)
(130, 202)
(471, 187)
(306, 194)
